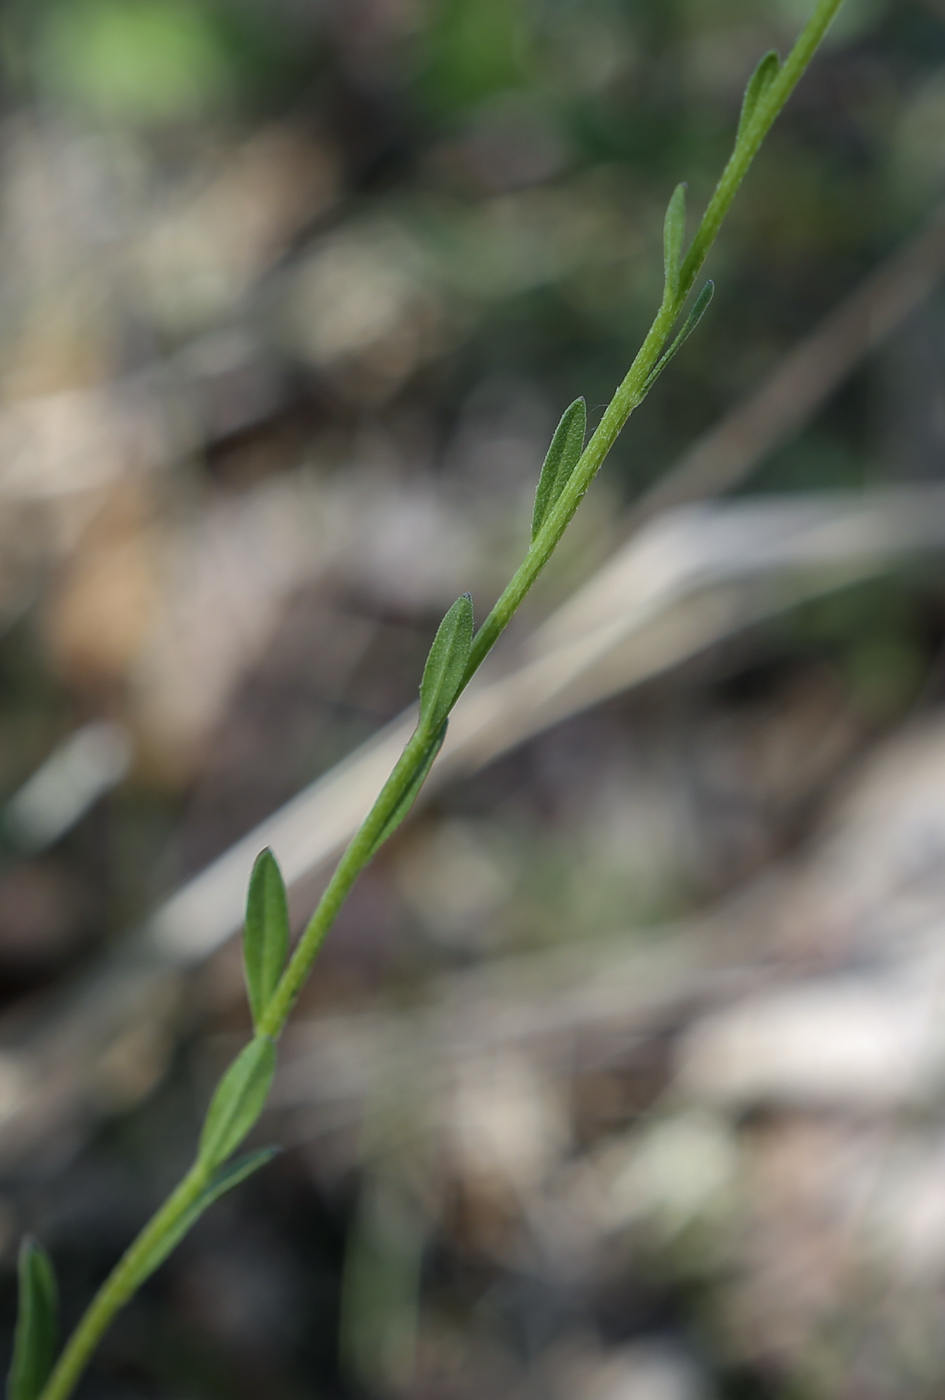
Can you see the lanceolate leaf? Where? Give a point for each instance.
(562, 457)
(222, 1181)
(410, 793)
(764, 75)
(560, 461)
(238, 1100)
(674, 229)
(36, 1324)
(446, 664)
(266, 932)
(699, 307)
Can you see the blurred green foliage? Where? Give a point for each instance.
(528, 149)
(497, 176)
(472, 49)
(138, 59)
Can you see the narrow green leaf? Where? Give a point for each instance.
(238, 1101)
(764, 75)
(674, 229)
(410, 792)
(222, 1181)
(36, 1324)
(233, 1173)
(446, 664)
(699, 308)
(560, 461)
(265, 933)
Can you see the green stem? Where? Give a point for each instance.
(349, 867)
(633, 389)
(123, 1280)
(121, 1285)
(750, 140)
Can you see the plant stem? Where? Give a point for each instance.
(120, 1285)
(123, 1280)
(632, 391)
(747, 146)
(356, 856)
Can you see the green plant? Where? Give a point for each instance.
(274, 979)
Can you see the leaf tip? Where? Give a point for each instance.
(36, 1326)
(562, 457)
(767, 69)
(446, 663)
(265, 931)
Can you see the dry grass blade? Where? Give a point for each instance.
(686, 582)
(49, 1075)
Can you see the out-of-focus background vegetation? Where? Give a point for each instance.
(621, 1078)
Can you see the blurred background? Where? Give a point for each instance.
(622, 1077)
